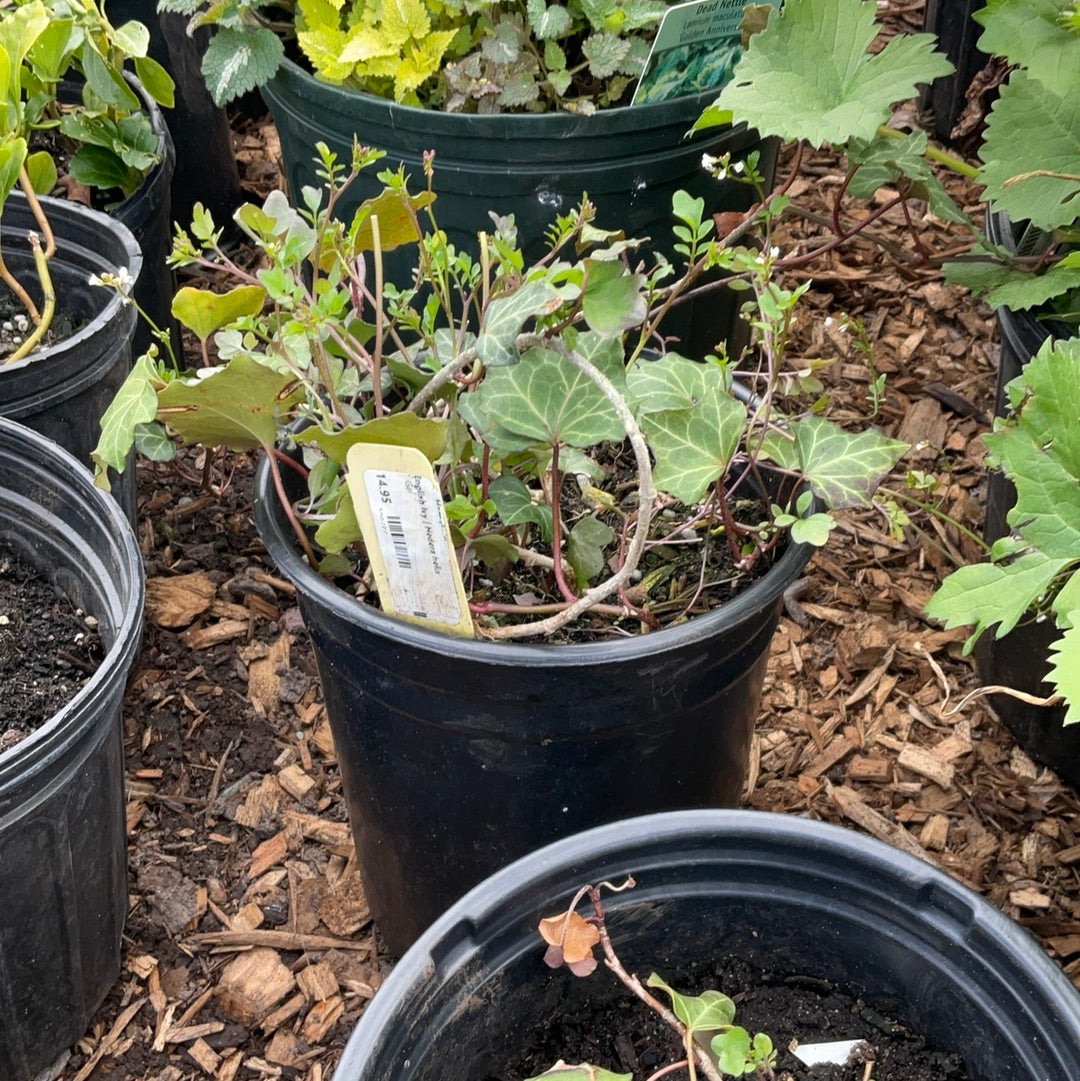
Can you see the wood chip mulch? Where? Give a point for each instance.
(250, 951)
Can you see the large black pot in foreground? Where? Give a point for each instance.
(459, 756)
(63, 862)
(1021, 659)
(795, 896)
(62, 390)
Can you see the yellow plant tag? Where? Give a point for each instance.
(400, 510)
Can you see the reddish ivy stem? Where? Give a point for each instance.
(485, 480)
(286, 506)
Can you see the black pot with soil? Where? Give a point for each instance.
(1021, 659)
(807, 903)
(63, 864)
(534, 166)
(62, 389)
(460, 755)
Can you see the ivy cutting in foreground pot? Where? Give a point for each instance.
(578, 459)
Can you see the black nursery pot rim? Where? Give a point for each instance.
(484, 929)
(277, 536)
(69, 480)
(627, 118)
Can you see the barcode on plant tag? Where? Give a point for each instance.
(410, 530)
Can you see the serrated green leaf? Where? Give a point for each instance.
(693, 447)
(585, 547)
(135, 403)
(1029, 33)
(670, 382)
(1065, 668)
(545, 400)
(808, 74)
(237, 61)
(1011, 287)
(986, 594)
(614, 298)
(240, 406)
(515, 506)
(707, 1012)
(604, 52)
(1066, 604)
(203, 312)
(1029, 129)
(547, 21)
(427, 435)
(842, 468)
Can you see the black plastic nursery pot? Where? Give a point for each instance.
(535, 166)
(957, 34)
(62, 390)
(1020, 659)
(795, 896)
(63, 867)
(458, 756)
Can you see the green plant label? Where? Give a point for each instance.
(696, 49)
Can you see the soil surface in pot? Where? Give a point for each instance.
(625, 1036)
(48, 649)
(15, 325)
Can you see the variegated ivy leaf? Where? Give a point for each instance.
(614, 298)
(708, 1012)
(694, 446)
(985, 594)
(134, 404)
(505, 317)
(809, 75)
(1065, 668)
(670, 382)
(842, 468)
(545, 400)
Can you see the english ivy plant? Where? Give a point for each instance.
(1035, 572)
(577, 456)
(810, 77)
(714, 1046)
(457, 55)
(113, 147)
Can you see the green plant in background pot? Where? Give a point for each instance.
(596, 487)
(1029, 591)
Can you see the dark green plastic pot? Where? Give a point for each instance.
(62, 390)
(534, 166)
(458, 756)
(63, 861)
(795, 897)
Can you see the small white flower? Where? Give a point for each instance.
(738, 168)
(96, 279)
(828, 320)
(708, 162)
(124, 280)
(774, 253)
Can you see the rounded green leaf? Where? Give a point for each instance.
(203, 312)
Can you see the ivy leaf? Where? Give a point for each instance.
(693, 447)
(986, 594)
(707, 1012)
(515, 506)
(546, 400)
(614, 298)
(808, 74)
(153, 443)
(237, 61)
(492, 549)
(203, 312)
(239, 406)
(670, 382)
(1029, 33)
(571, 940)
(1030, 126)
(342, 529)
(583, 1072)
(585, 546)
(427, 435)
(506, 316)
(1065, 668)
(135, 403)
(843, 469)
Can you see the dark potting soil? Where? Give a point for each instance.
(15, 325)
(48, 649)
(624, 1036)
